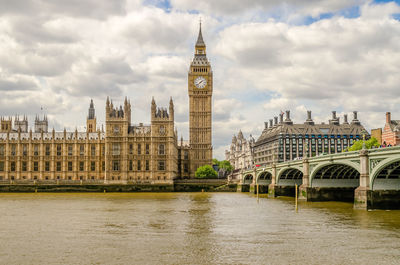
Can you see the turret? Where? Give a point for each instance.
(21, 124)
(41, 124)
(171, 109)
(6, 124)
(91, 119)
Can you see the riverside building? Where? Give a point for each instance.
(282, 140)
(123, 152)
(241, 152)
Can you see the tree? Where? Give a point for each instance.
(206, 172)
(226, 165)
(373, 142)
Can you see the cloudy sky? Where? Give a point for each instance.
(267, 56)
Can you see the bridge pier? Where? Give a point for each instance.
(361, 194)
(304, 188)
(272, 186)
(243, 187)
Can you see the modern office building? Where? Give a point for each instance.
(282, 140)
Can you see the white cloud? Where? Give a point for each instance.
(58, 55)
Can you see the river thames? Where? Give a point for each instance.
(191, 228)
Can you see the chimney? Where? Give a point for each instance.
(309, 118)
(335, 120)
(276, 120)
(287, 119)
(355, 118)
(280, 118)
(265, 125)
(388, 117)
(345, 119)
(271, 123)
(287, 115)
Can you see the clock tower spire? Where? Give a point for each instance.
(200, 88)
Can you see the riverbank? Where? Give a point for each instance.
(193, 185)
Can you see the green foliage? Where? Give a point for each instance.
(224, 164)
(373, 142)
(206, 172)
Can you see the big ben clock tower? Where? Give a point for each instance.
(200, 86)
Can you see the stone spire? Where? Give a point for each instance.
(91, 110)
(200, 41)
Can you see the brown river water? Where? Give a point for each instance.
(191, 228)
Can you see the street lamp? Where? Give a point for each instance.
(364, 134)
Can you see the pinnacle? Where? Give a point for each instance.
(200, 41)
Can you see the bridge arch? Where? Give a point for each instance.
(335, 175)
(248, 179)
(386, 175)
(290, 177)
(264, 178)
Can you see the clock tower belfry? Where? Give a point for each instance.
(200, 88)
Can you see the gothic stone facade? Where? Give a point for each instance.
(283, 141)
(200, 88)
(241, 152)
(123, 152)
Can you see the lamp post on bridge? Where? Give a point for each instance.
(364, 134)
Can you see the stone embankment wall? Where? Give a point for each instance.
(178, 186)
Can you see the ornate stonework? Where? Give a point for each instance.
(200, 88)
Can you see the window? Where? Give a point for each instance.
(131, 149)
(13, 166)
(116, 149)
(70, 150)
(130, 165)
(139, 165)
(185, 168)
(13, 149)
(47, 166)
(147, 165)
(69, 166)
(161, 149)
(81, 166)
(2, 150)
(58, 166)
(93, 150)
(47, 149)
(36, 150)
(35, 166)
(139, 149)
(25, 150)
(103, 166)
(93, 166)
(186, 155)
(147, 149)
(24, 166)
(82, 150)
(59, 150)
(161, 165)
(116, 165)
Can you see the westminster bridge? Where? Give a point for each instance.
(370, 178)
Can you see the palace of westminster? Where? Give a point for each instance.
(123, 152)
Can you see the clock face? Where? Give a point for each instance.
(200, 82)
